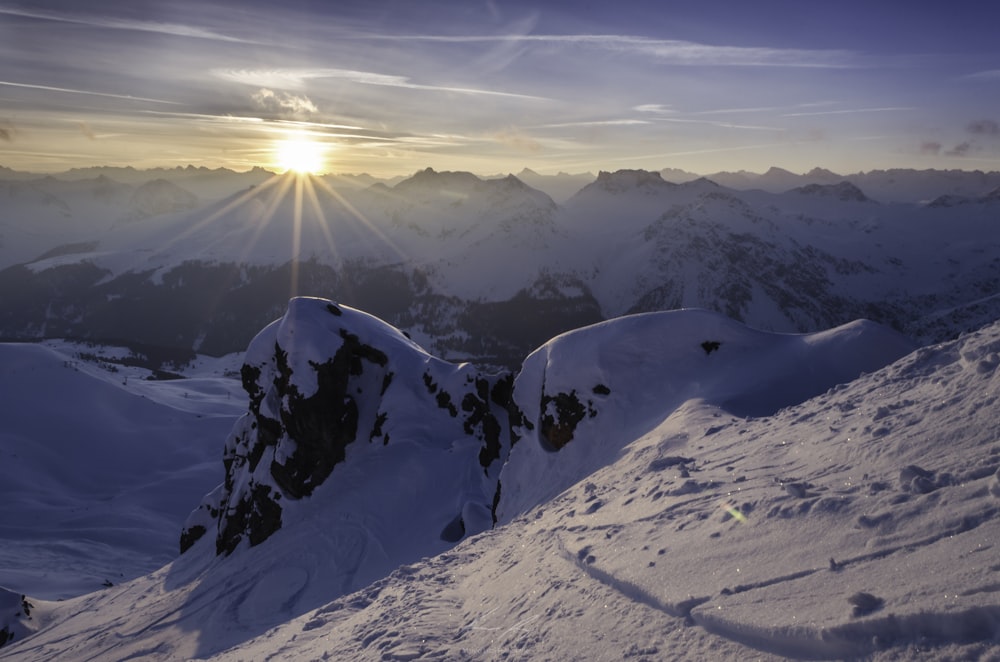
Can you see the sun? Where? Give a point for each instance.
(301, 155)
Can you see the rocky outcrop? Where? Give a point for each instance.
(329, 386)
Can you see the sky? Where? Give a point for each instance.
(390, 86)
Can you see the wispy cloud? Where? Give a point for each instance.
(962, 149)
(6, 131)
(315, 129)
(620, 122)
(671, 50)
(762, 109)
(990, 74)
(692, 152)
(723, 125)
(68, 90)
(518, 140)
(851, 111)
(86, 130)
(296, 78)
(984, 128)
(932, 147)
(658, 108)
(280, 101)
(111, 23)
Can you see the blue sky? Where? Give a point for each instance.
(389, 87)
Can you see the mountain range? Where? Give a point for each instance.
(638, 415)
(488, 269)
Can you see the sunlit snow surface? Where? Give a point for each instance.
(689, 517)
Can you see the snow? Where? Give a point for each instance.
(99, 465)
(633, 372)
(829, 517)
(682, 486)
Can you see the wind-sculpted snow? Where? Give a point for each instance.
(347, 410)
(681, 487)
(618, 379)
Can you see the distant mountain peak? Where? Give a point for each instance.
(621, 181)
(845, 191)
(430, 179)
(701, 182)
(822, 173)
(776, 171)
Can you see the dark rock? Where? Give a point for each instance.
(291, 439)
(864, 603)
(710, 346)
(557, 430)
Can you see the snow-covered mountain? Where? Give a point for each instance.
(488, 269)
(676, 486)
(896, 185)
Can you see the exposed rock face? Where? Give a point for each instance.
(329, 384)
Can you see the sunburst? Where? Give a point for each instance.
(301, 154)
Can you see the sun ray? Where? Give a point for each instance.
(324, 225)
(361, 217)
(300, 181)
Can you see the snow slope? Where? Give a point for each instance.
(98, 463)
(721, 502)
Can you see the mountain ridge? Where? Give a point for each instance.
(489, 270)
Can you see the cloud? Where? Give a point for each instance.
(173, 29)
(280, 102)
(671, 50)
(86, 130)
(991, 74)
(296, 78)
(658, 108)
(984, 128)
(70, 90)
(722, 125)
(851, 111)
(518, 140)
(623, 122)
(6, 131)
(961, 149)
(930, 147)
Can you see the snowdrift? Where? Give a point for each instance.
(652, 472)
(589, 392)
